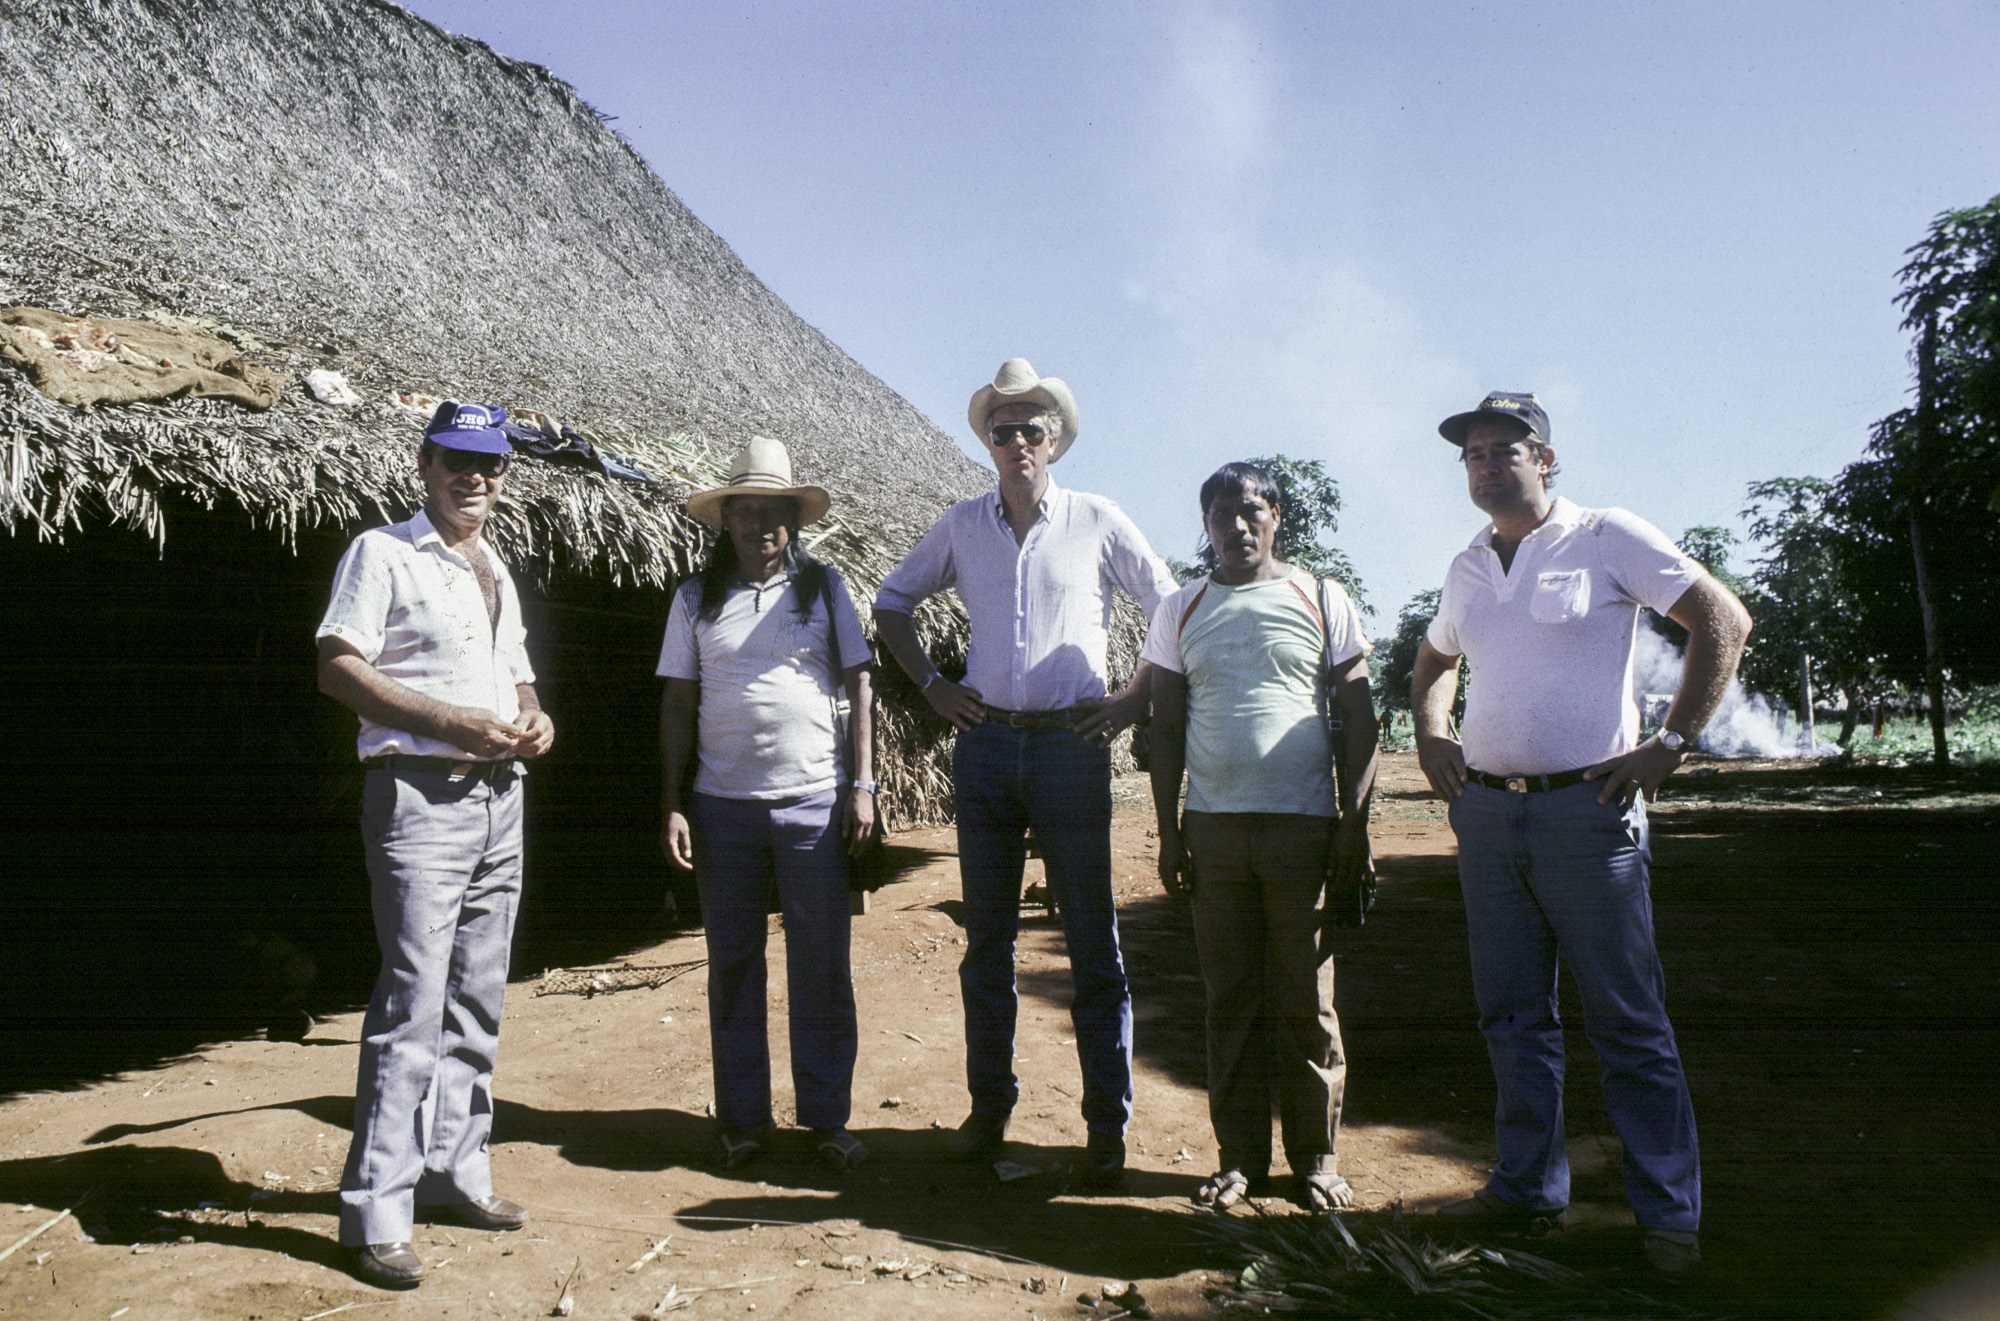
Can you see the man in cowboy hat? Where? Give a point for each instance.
(1035, 565)
(1547, 795)
(423, 641)
(756, 647)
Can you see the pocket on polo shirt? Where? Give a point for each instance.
(1560, 598)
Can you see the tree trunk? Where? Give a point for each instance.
(1808, 737)
(1933, 645)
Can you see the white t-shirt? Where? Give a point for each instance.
(767, 725)
(413, 609)
(1549, 642)
(1253, 655)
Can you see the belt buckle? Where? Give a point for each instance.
(1517, 784)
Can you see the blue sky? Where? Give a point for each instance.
(1317, 228)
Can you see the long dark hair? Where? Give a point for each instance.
(808, 574)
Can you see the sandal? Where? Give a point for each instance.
(1328, 1192)
(739, 1146)
(840, 1149)
(1225, 1188)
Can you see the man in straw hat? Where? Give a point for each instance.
(756, 648)
(1035, 566)
(423, 641)
(1547, 795)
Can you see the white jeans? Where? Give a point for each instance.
(444, 863)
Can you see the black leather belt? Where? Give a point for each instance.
(1527, 784)
(1063, 719)
(445, 766)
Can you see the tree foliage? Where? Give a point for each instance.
(1395, 661)
(1800, 594)
(1936, 465)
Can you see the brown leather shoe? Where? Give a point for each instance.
(981, 1137)
(489, 1212)
(389, 1265)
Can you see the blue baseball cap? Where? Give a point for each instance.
(474, 427)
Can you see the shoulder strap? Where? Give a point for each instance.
(1188, 613)
(832, 628)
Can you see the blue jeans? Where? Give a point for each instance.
(1006, 781)
(742, 847)
(1548, 875)
(444, 865)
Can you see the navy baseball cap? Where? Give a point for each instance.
(474, 427)
(1523, 408)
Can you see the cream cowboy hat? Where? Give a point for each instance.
(763, 468)
(1018, 384)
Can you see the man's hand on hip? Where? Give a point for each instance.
(1110, 716)
(1642, 770)
(961, 705)
(1443, 761)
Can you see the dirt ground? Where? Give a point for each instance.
(1829, 939)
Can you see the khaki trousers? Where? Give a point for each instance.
(1272, 1033)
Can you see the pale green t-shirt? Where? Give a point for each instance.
(1256, 714)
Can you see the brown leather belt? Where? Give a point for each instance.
(445, 766)
(1527, 784)
(1063, 719)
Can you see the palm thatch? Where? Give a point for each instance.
(339, 184)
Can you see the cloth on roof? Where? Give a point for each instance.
(571, 448)
(81, 361)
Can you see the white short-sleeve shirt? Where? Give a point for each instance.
(1549, 641)
(766, 723)
(413, 609)
(1253, 654)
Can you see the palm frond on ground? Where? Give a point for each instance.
(1376, 1267)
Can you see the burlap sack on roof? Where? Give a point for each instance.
(80, 361)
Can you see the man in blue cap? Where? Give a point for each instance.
(423, 641)
(1547, 795)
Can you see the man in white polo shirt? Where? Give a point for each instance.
(1547, 796)
(1036, 566)
(1248, 663)
(423, 641)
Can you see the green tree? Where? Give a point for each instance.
(1395, 662)
(1802, 600)
(1933, 481)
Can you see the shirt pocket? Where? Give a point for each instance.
(1560, 598)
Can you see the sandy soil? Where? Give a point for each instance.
(1829, 948)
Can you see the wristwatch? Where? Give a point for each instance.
(1671, 741)
(869, 785)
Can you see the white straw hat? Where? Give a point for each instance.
(764, 467)
(1018, 384)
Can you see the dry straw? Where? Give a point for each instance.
(339, 184)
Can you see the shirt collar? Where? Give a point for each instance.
(1564, 514)
(423, 532)
(1046, 503)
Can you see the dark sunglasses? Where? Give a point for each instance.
(1008, 432)
(489, 465)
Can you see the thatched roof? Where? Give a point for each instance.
(340, 184)
(343, 185)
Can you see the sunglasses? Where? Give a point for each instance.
(488, 465)
(1008, 432)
